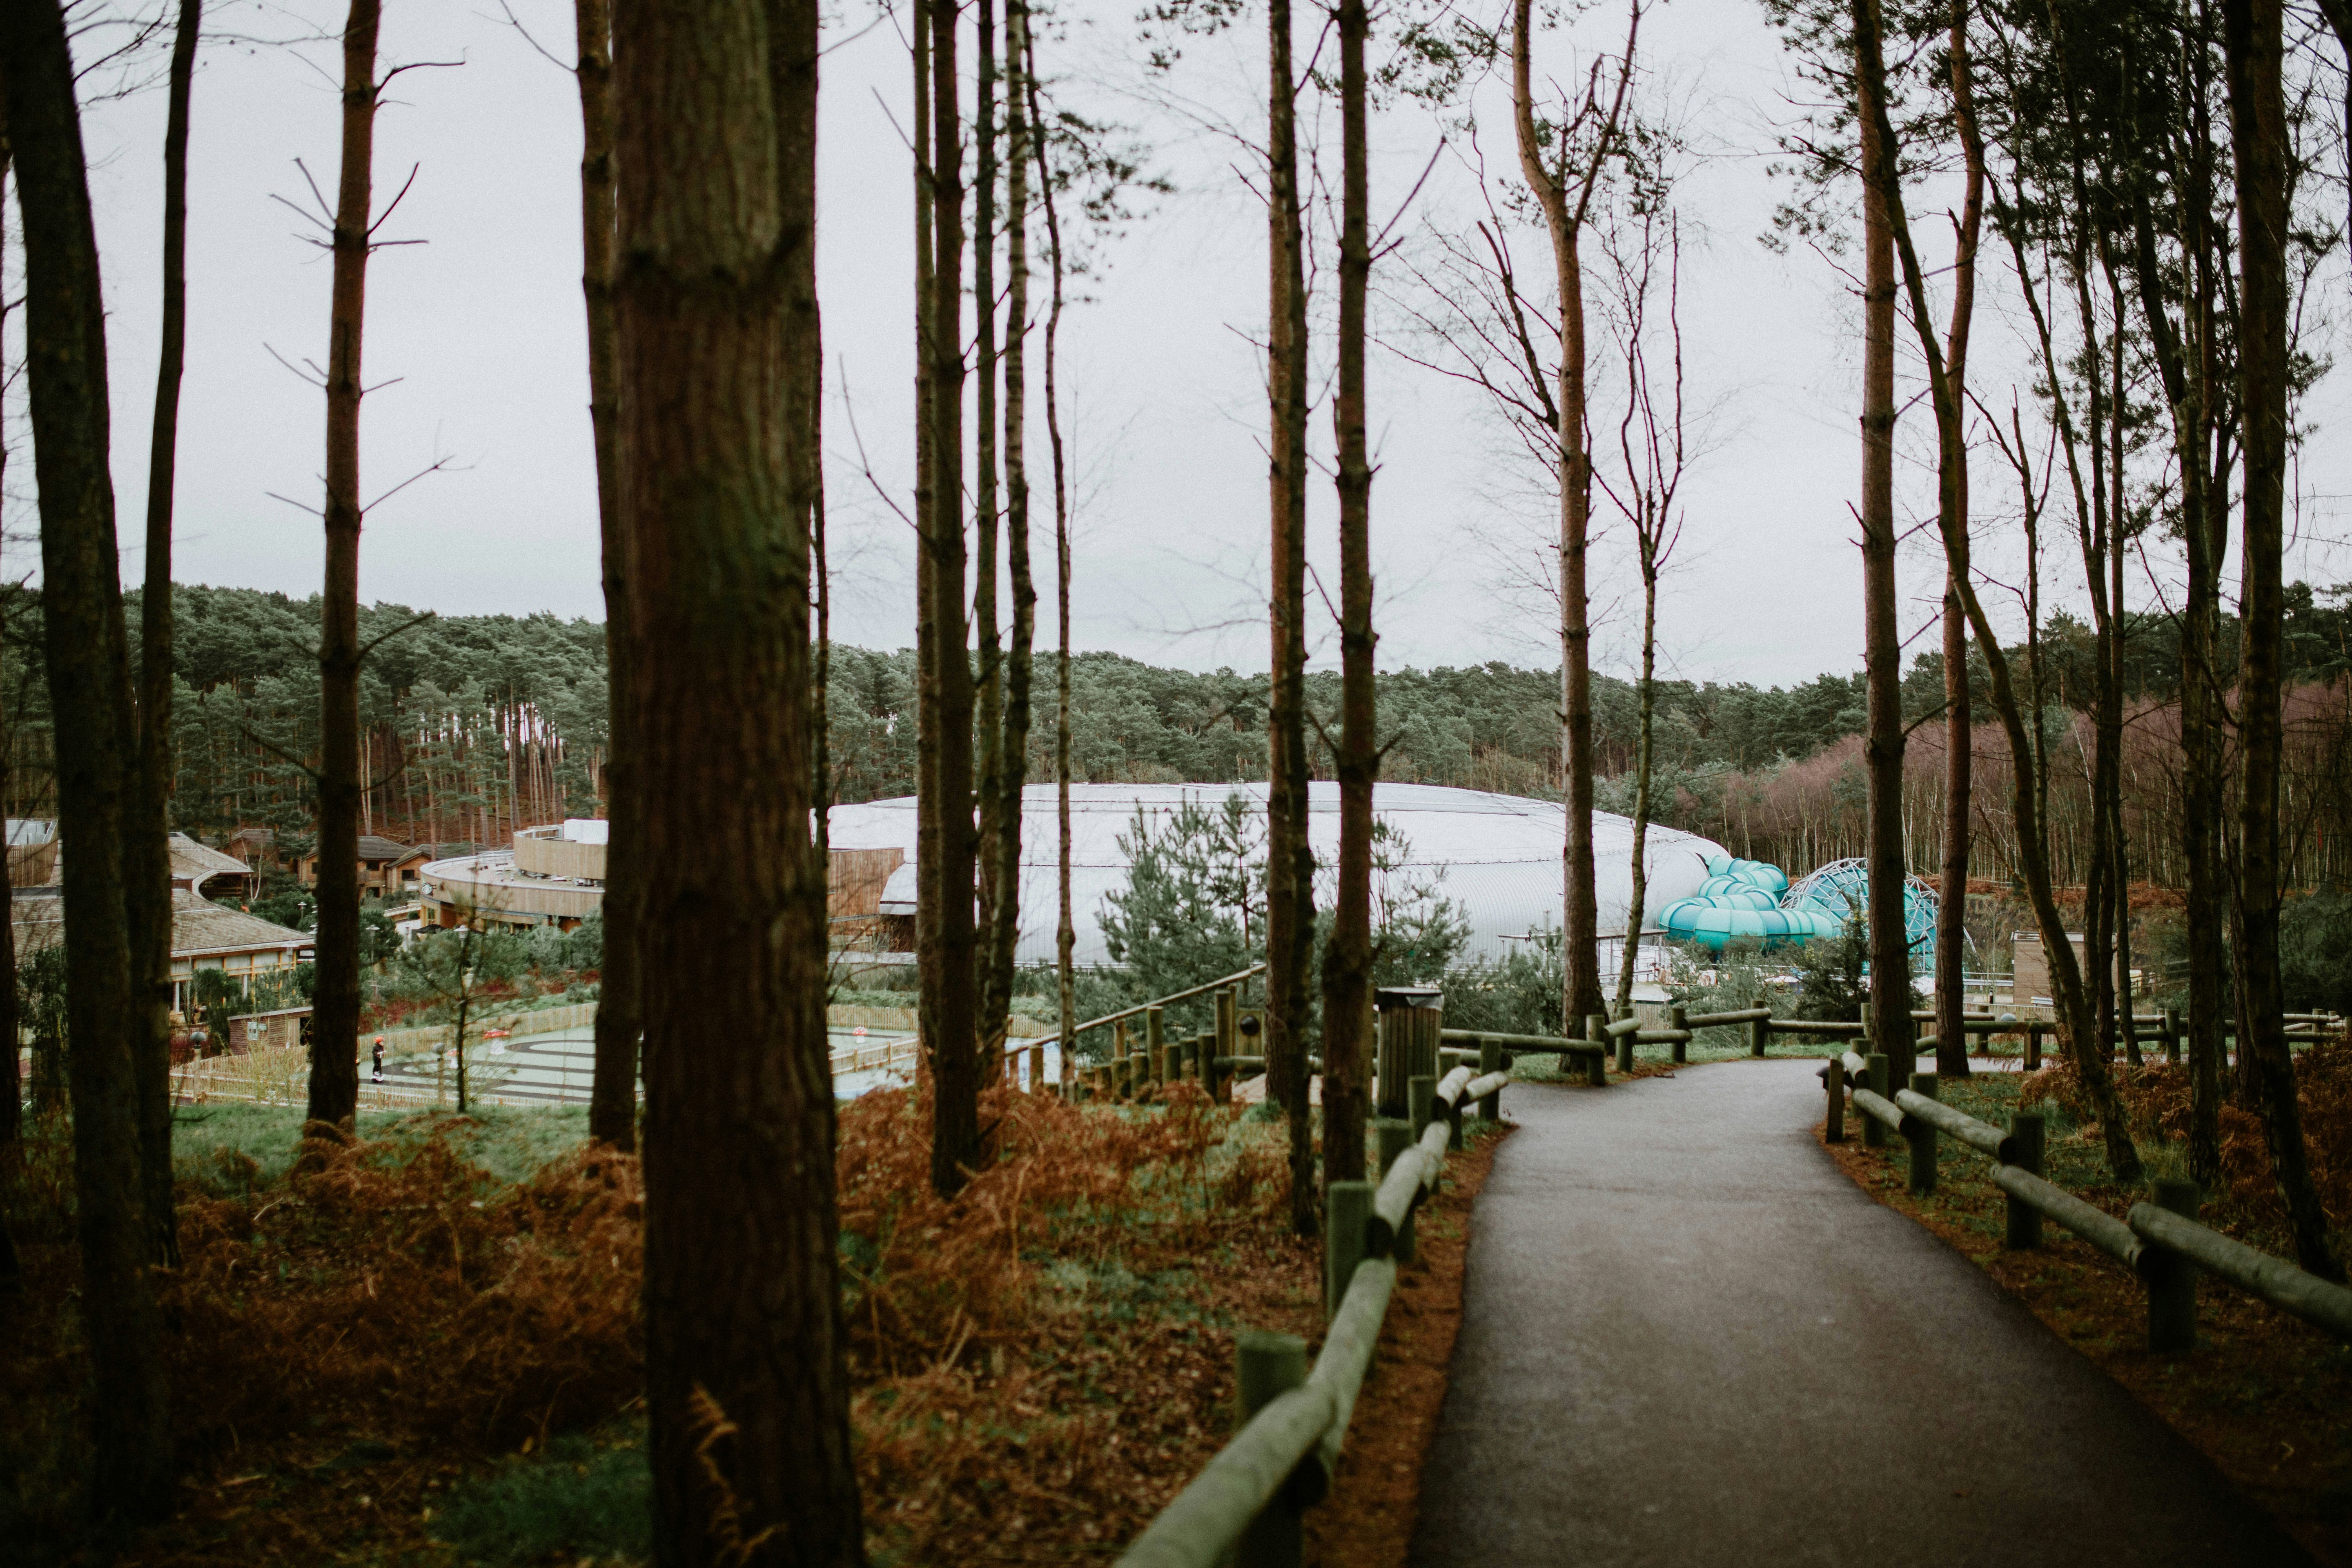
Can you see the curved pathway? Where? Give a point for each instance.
(1688, 1339)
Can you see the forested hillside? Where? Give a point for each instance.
(479, 724)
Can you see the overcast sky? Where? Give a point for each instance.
(475, 338)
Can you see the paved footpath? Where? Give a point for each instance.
(1688, 1339)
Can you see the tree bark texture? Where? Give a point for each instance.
(90, 693)
(613, 1091)
(1348, 955)
(945, 925)
(1890, 948)
(2251, 33)
(335, 1000)
(1952, 497)
(747, 1386)
(1290, 859)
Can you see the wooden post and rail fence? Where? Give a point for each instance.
(2161, 1242)
(1246, 1506)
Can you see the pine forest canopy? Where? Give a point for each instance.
(500, 720)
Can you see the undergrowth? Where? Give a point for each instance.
(362, 1339)
(2156, 1097)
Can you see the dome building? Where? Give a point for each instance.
(1497, 857)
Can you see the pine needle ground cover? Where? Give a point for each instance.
(423, 1345)
(2266, 1397)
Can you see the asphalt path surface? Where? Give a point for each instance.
(1688, 1339)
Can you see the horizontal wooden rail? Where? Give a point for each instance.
(1142, 1007)
(1530, 1043)
(1719, 1020)
(1243, 1507)
(1981, 1136)
(2161, 1243)
(2100, 1228)
(2315, 1301)
(1836, 1029)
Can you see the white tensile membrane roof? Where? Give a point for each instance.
(1499, 855)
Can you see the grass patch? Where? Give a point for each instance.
(230, 1147)
(582, 1496)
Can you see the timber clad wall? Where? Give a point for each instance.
(545, 852)
(2030, 966)
(858, 879)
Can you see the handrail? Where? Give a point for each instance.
(1163, 1000)
(1282, 1460)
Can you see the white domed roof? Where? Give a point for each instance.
(1498, 857)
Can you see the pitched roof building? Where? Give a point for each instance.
(204, 935)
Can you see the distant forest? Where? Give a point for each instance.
(477, 725)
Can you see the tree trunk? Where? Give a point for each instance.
(11, 1015)
(1019, 669)
(1348, 956)
(993, 990)
(2203, 531)
(335, 999)
(747, 1386)
(1564, 206)
(1952, 492)
(821, 676)
(1065, 931)
(1647, 701)
(1290, 857)
(146, 858)
(944, 907)
(90, 697)
(613, 1091)
(1890, 947)
(2251, 33)
(2032, 855)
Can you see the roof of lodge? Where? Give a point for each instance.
(198, 926)
(190, 859)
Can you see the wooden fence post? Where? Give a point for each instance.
(1624, 1052)
(2172, 1279)
(2032, 1048)
(1155, 1044)
(1267, 1365)
(1490, 1060)
(1833, 1125)
(1759, 1032)
(1922, 1136)
(1874, 1131)
(1347, 1209)
(1421, 1098)
(1395, 1135)
(2172, 1036)
(1596, 1069)
(2026, 1131)
(1675, 1017)
(1036, 1069)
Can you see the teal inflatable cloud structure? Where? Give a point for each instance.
(1748, 899)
